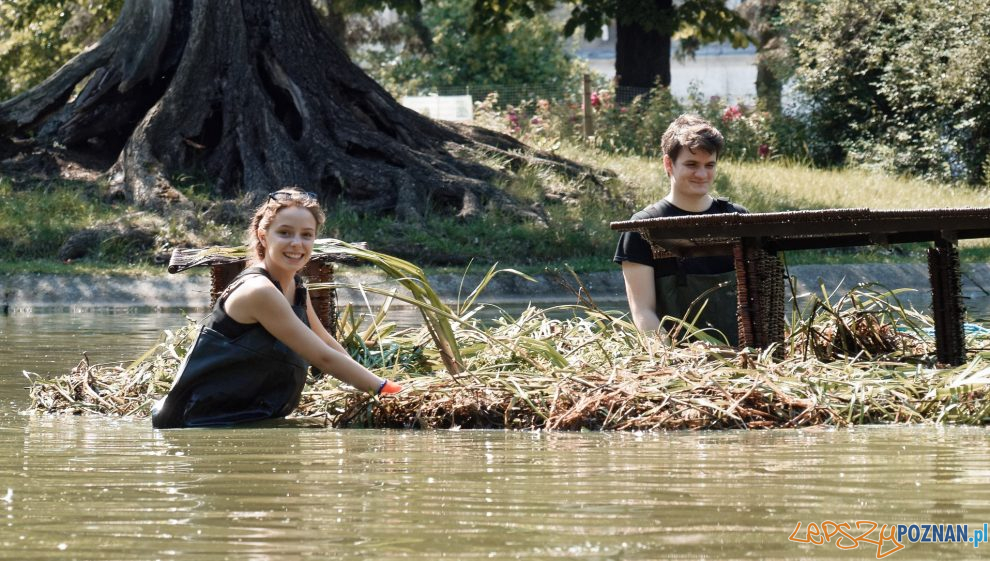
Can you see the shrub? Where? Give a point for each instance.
(900, 85)
(36, 37)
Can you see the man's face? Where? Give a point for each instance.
(692, 174)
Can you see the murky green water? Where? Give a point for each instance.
(93, 489)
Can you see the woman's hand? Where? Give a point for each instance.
(389, 387)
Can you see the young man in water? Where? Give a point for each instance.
(658, 288)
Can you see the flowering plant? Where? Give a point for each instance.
(633, 127)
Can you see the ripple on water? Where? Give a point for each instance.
(116, 489)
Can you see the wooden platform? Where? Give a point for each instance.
(755, 239)
(223, 270)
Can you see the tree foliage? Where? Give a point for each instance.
(694, 22)
(39, 36)
(527, 51)
(903, 85)
(653, 23)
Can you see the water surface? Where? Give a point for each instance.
(96, 488)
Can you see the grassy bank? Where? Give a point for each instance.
(59, 226)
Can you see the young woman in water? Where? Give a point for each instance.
(249, 361)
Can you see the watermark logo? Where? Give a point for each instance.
(888, 539)
(850, 536)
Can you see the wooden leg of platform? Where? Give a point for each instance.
(759, 279)
(774, 289)
(743, 310)
(325, 300)
(221, 276)
(947, 307)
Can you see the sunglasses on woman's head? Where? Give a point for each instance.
(289, 195)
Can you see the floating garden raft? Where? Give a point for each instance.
(864, 358)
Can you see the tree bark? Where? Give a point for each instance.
(255, 94)
(642, 52)
(768, 87)
(763, 16)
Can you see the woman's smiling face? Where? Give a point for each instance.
(288, 240)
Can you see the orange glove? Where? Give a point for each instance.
(389, 387)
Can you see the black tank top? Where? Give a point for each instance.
(227, 380)
(218, 319)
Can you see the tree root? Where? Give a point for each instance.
(256, 95)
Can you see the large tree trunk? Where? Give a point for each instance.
(642, 51)
(769, 87)
(763, 17)
(254, 94)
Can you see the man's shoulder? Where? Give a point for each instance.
(659, 209)
(724, 206)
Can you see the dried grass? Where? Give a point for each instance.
(586, 372)
(861, 359)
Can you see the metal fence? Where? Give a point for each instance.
(515, 94)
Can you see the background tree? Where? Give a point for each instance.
(645, 29)
(772, 63)
(435, 51)
(254, 94)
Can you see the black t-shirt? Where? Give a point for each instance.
(632, 247)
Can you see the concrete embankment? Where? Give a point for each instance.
(24, 293)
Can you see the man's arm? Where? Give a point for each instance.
(642, 296)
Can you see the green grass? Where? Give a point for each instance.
(34, 222)
(443, 240)
(82, 267)
(776, 186)
(37, 218)
(782, 186)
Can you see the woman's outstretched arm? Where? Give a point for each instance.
(260, 301)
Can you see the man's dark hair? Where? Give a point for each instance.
(691, 132)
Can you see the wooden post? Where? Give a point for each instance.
(325, 300)
(589, 124)
(221, 275)
(744, 311)
(760, 295)
(947, 307)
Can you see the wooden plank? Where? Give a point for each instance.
(664, 247)
(714, 230)
(710, 228)
(753, 240)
